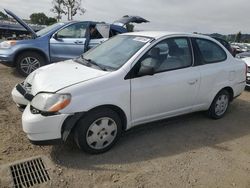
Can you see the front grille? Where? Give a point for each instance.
(20, 88)
(29, 173)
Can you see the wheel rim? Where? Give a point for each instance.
(29, 64)
(221, 105)
(101, 133)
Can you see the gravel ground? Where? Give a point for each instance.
(188, 151)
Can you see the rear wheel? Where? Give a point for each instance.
(220, 105)
(27, 62)
(98, 131)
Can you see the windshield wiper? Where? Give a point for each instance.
(89, 61)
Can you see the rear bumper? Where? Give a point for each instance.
(238, 88)
(248, 80)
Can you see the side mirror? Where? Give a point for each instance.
(55, 36)
(146, 70)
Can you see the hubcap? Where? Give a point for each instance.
(29, 64)
(221, 105)
(101, 133)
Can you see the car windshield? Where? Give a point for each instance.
(48, 29)
(115, 52)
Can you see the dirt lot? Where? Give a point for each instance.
(188, 151)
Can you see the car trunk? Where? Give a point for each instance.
(130, 19)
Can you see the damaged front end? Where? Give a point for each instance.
(21, 93)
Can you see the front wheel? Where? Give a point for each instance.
(219, 105)
(28, 62)
(98, 131)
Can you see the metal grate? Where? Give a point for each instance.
(29, 173)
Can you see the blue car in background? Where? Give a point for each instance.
(58, 42)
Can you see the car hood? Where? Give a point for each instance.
(247, 60)
(57, 76)
(21, 22)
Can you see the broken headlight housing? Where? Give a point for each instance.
(50, 102)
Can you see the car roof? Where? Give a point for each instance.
(117, 28)
(159, 34)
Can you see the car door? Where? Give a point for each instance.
(68, 42)
(213, 68)
(172, 88)
(98, 33)
(94, 42)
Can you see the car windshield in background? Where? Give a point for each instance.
(47, 29)
(115, 52)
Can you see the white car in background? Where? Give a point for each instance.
(128, 80)
(247, 60)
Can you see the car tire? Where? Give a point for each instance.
(27, 62)
(98, 131)
(219, 105)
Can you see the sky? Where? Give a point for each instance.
(210, 16)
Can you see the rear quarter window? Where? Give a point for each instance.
(210, 51)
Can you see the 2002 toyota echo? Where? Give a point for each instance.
(128, 80)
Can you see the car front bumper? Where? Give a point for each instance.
(42, 130)
(7, 57)
(18, 98)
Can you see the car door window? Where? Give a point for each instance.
(210, 51)
(113, 32)
(73, 31)
(169, 54)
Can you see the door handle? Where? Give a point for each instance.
(78, 42)
(192, 82)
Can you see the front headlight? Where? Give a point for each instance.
(7, 44)
(50, 102)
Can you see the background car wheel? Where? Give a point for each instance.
(219, 105)
(98, 131)
(28, 62)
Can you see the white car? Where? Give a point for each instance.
(247, 60)
(128, 80)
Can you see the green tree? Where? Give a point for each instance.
(41, 19)
(3, 16)
(58, 9)
(238, 37)
(72, 7)
(38, 18)
(51, 21)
